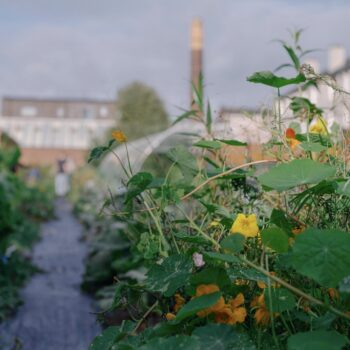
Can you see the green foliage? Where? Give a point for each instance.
(22, 206)
(280, 300)
(197, 304)
(268, 78)
(295, 173)
(275, 238)
(323, 255)
(105, 340)
(137, 184)
(208, 144)
(222, 337)
(281, 283)
(142, 111)
(171, 275)
(97, 152)
(234, 243)
(320, 340)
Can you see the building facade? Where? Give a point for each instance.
(47, 129)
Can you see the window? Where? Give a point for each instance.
(60, 112)
(104, 111)
(28, 111)
(88, 112)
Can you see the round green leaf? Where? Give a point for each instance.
(176, 342)
(323, 255)
(312, 146)
(275, 238)
(233, 243)
(105, 340)
(317, 340)
(222, 337)
(281, 299)
(295, 173)
(172, 274)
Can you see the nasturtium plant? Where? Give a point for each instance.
(323, 255)
(298, 172)
(238, 254)
(169, 276)
(320, 340)
(276, 239)
(137, 184)
(270, 79)
(222, 337)
(197, 304)
(280, 299)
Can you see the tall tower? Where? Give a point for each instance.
(196, 53)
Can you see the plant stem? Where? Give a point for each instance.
(293, 289)
(139, 323)
(270, 303)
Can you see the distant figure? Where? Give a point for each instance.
(62, 178)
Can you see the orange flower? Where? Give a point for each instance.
(333, 293)
(179, 302)
(225, 315)
(290, 133)
(232, 312)
(204, 289)
(293, 143)
(262, 315)
(298, 229)
(119, 136)
(290, 136)
(305, 305)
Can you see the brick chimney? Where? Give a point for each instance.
(196, 52)
(336, 58)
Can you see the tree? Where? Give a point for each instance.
(142, 111)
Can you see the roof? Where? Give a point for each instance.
(236, 110)
(58, 99)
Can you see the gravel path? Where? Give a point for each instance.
(55, 314)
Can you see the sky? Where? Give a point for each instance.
(92, 48)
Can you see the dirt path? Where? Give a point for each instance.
(55, 314)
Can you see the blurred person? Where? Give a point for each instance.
(61, 179)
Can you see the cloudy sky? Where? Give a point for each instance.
(91, 48)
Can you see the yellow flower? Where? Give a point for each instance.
(169, 316)
(179, 302)
(245, 225)
(119, 136)
(319, 127)
(204, 289)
